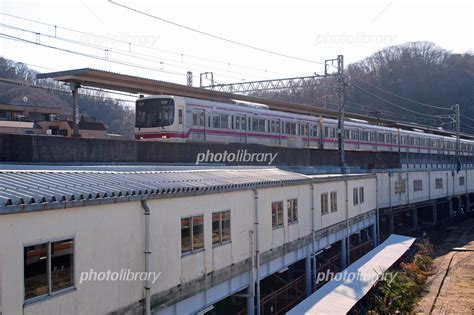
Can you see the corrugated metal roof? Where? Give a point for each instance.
(30, 190)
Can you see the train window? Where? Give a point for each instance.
(304, 129)
(216, 121)
(262, 124)
(180, 116)
(381, 137)
(346, 134)
(364, 135)
(373, 136)
(224, 121)
(326, 132)
(334, 132)
(154, 113)
(195, 119)
(290, 128)
(232, 123)
(354, 134)
(237, 123)
(243, 123)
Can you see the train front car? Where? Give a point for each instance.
(159, 118)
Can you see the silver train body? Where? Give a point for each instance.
(180, 119)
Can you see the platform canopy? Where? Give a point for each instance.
(339, 295)
(139, 85)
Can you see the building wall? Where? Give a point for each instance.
(111, 236)
(387, 182)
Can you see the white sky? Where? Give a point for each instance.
(315, 30)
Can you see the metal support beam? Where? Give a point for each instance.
(451, 207)
(266, 85)
(75, 108)
(435, 212)
(414, 213)
(308, 275)
(344, 253)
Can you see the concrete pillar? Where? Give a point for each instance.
(391, 224)
(415, 218)
(250, 301)
(343, 253)
(308, 275)
(435, 213)
(451, 207)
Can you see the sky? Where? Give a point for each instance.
(106, 36)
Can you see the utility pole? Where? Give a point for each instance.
(457, 117)
(342, 105)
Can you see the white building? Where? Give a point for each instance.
(201, 230)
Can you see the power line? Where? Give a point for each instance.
(182, 55)
(123, 52)
(407, 99)
(393, 104)
(215, 36)
(10, 37)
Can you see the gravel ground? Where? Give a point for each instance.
(450, 289)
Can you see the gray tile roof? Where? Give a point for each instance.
(30, 190)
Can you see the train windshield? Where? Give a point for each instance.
(156, 112)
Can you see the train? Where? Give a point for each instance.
(181, 119)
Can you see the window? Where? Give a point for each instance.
(400, 186)
(220, 227)
(192, 238)
(180, 116)
(292, 206)
(439, 183)
(355, 196)
(324, 203)
(417, 185)
(361, 195)
(277, 214)
(461, 181)
(48, 268)
(333, 201)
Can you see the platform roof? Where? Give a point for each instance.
(139, 85)
(339, 295)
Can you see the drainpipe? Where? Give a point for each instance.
(251, 289)
(313, 236)
(257, 252)
(147, 284)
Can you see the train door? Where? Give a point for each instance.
(198, 131)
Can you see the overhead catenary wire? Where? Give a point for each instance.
(407, 99)
(216, 36)
(121, 52)
(393, 104)
(129, 44)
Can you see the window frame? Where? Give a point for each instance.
(461, 181)
(50, 294)
(294, 210)
(331, 201)
(325, 204)
(361, 195)
(221, 233)
(191, 233)
(277, 225)
(415, 186)
(355, 196)
(439, 183)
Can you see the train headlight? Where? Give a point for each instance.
(164, 137)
